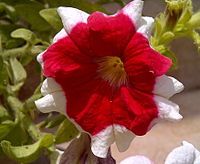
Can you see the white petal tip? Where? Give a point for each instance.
(138, 159)
(43, 105)
(174, 116)
(71, 17)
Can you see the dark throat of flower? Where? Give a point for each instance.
(111, 69)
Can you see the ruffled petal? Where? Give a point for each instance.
(134, 11)
(49, 86)
(167, 109)
(60, 35)
(138, 159)
(103, 34)
(139, 56)
(61, 58)
(71, 17)
(167, 86)
(146, 25)
(184, 154)
(52, 102)
(102, 141)
(134, 110)
(40, 59)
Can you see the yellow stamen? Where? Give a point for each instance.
(111, 69)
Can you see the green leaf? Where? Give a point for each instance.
(18, 71)
(55, 121)
(66, 132)
(14, 103)
(4, 115)
(5, 128)
(25, 34)
(51, 16)
(196, 38)
(194, 22)
(30, 13)
(27, 153)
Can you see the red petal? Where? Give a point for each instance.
(103, 35)
(140, 57)
(63, 56)
(134, 110)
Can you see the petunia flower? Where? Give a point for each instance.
(103, 74)
(137, 159)
(184, 154)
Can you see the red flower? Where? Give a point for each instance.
(103, 74)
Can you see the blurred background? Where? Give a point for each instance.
(26, 29)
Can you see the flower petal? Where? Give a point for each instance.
(134, 11)
(134, 109)
(52, 102)
(71, 17)
(167, 109)
(40, 58)
(123, 137)
(138, 159)
(101, 142)
(61, 58)
(49, 86)
(139, 56)
(59, 35)
(184, 154)
(103, 34)
(146, 25)
(167, 86)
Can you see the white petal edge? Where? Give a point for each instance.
(138, 159)
(49, 86)
(40, 59)
(145, 26)
(167, 86)
(134, 11)
(113, 133)
(101, 142)
(167, 109)
(71, 17)
(59, 35)
(185, 154)
(52, 102)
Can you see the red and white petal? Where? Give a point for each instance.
(167, 109)
(123, 137)
(134, 11)
(138, 159)
(52, 102)
(71, 17)
(60, 35)
(139, 56)
(146, 25)
(40, 59)
(49, 86)
(101, 142)
(167, 86)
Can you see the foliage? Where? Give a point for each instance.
(26, 29)
(178, 20)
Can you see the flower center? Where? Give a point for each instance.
(111, 69)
